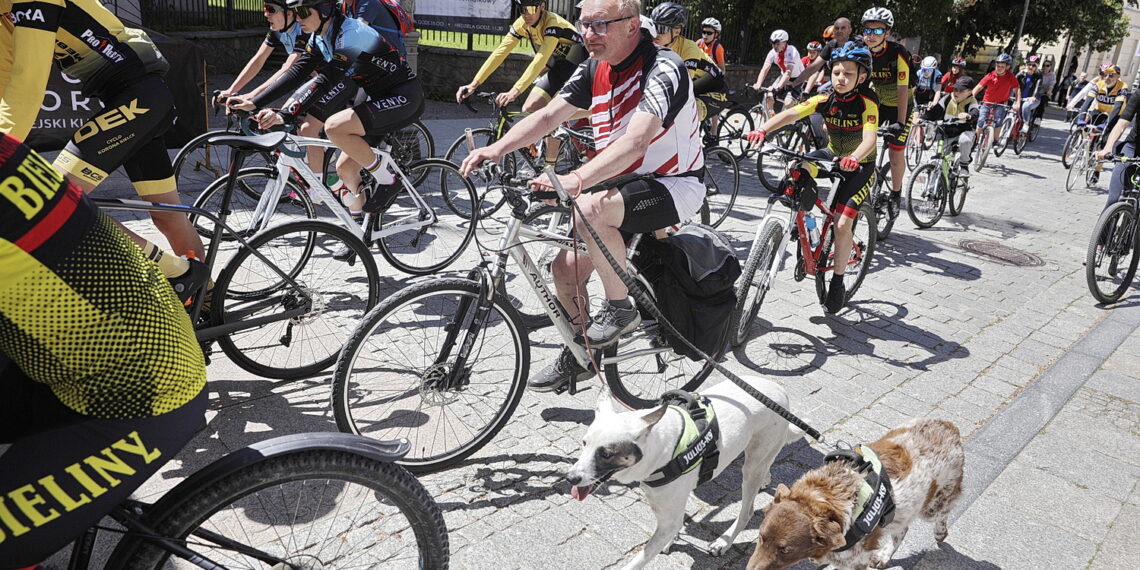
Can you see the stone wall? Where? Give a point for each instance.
(227, 52)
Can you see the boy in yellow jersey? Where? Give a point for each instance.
(891, 79)
(708, 80)
(851, 114)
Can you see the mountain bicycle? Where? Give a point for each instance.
(1110, 264)
(937, 182)
(986, 141)
(444, 363)
(314, 500)
(427, 228)
(776, 230)
(1011, 130)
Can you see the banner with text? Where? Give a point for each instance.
(466, 16)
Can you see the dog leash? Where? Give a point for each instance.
(646, 301)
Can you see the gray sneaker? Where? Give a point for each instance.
(611, 323)
(558, 373)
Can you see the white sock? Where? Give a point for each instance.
(382, 175)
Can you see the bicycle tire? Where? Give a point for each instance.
(375, 361)
(331, 489)
(926, 205)
(1020, 142)
(1114, 236)
(722, 183)
(915, 146)
(1034, 130)
(431, 247)
(1003, 136)
(734, 126)
(1067, 150)
(882, 192)
(251, 182)
(957, 198)
(1080, 164)
(457, 151)
(754, 282)
(865, 236)
(410, 145)
(772, 170)
(309, 343)
(983, 150)
(198, 163)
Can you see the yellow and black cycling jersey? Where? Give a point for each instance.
(130, 354)
(847, 117)
(552, 38)
(1104, 98)
(890, 68)
(706, 76)
(87, 41)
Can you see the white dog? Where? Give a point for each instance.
(632, 446)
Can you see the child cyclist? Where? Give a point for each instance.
(961, 105)
(851, 114)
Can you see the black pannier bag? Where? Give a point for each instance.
(692, 273)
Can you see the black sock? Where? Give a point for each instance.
(836, 277)
(621, 304)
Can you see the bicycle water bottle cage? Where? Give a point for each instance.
(808, 191)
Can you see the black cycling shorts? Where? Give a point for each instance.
(336, 99)
(127, 132)
(853, 190)
(399, 107)
(73, 469)
(555, 76)
(656, 203)
(890, 115)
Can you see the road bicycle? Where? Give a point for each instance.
(314, 500)
(938, 182)
(1110, 264)
(1082, 160)
(985, 142)
(444, 363)
(776, 230)
(425, 230)
(199, 163)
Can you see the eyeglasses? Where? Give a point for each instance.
(707, 32)
(874, 31)
(600, 27)
(774, 42)
(273, 8)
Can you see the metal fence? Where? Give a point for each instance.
(202, 15)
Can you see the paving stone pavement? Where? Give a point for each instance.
(936, 330)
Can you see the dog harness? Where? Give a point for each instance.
(875, 504)
(697, 445)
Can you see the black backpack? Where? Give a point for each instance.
(692, 273)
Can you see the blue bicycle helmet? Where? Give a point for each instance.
(1004, 58)
(852, 51)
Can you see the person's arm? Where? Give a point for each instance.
(533, 127)
(1126, 118)
(815, 65)
(763, 74)
(718, 57)
(712, 80)
(791, 115)
(290, 80)
(902, 85)
(536, 67)
(33, 43)
(981, 85)
(492, 63)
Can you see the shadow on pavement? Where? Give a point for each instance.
(789, 352)
(944, 557)
(911, 250)
(506, 485)
(862, 324)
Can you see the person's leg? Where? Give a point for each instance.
(150, 171)
(850, 196)
(965, 146)
(311, 127)
(1116, 183)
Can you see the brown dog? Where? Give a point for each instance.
(924, 460)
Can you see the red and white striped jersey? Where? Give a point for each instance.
(651, 80)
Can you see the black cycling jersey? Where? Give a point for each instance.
(847, 116)
(890, 69)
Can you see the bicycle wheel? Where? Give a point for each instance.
(915, 146)
(410, 145)
(638, 382)
(925, 195)
(434, 227)
(862, 250)
(490, 197)
(982, 150)
(1080, 164)
(1034, 129)
(772, 167)
(316, 508)
(392, 379)
(295, 203)
(1003, 135)
(1070, 145)
(735, 124)
(1110, 264)
(957, 197)
(722, 182)
(1019, 142)
(199, 163)
(755, 280)
(336, 293)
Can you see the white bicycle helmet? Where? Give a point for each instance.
(712, 23)
(647, 25)
(877, 14)
(929, 62)
(779, 36)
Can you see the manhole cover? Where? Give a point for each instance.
(1002, 254)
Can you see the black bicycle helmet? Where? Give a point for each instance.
(852, 51)
(669, 14)
(324, 7)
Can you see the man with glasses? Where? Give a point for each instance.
(710, 41)
(839, 35)
(1106, 97)
(1031, 82)
(557, 52)
(891, 76)
(643, 113)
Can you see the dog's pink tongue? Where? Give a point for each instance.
(580, 493)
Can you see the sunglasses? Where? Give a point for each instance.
(707, 32)
(874, 31)
(601, 27)
(303, 11)
(273, 8)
